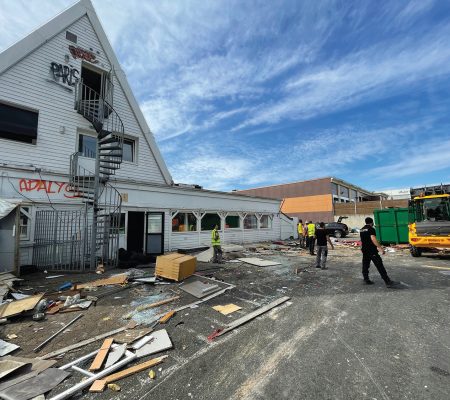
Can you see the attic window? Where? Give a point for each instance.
(71, 36)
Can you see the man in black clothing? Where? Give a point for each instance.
(370, 247)
(322, 246)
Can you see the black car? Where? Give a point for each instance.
(336, 229)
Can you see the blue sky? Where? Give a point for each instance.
(249, 93)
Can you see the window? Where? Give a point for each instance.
(265, 222)
(87, 146)
(250, 222)
(232, 222)
(24, 224)
(128, 150)
(334, 189)
(344, 191)
(209, 221)
(18, 124)
(122, 223)
(71, 36)
(184, 222)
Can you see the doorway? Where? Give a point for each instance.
(92, 79)
(135, 232)
(155, 233)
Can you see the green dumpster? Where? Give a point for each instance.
(391, 225)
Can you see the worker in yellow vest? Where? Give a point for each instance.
(215, 242)
(311, 237)
(301, 237)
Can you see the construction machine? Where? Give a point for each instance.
(429, 219)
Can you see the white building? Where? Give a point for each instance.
(63, 100)
(398, 194)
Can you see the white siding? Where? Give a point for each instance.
(27, 84)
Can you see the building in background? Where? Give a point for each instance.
(315, 199)
(398, 194)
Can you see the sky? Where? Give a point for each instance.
(242, 94)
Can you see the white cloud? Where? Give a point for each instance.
(375, 73)
(432, 156)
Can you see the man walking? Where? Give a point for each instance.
(369, 248)
(215, 242)
(322, 246)
(301, 238)
(311, 237)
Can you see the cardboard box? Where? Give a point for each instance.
(175, 266)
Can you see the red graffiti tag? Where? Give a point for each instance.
(49, 187)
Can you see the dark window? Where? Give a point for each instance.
(18, 124)
(128, 150)
(232, 221)
(87, 146)
(209, 221)
(71, 36)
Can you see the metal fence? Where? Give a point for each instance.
(61, 239)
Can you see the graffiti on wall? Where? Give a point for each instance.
(67, 74)
(49, 187)
(78, 52)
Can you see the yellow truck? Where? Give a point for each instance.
(429, 219)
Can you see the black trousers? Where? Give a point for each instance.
(376, 259)
(217, 258)
(312, 242)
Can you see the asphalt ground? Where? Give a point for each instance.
(335, 339)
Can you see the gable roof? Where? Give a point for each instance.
(46, 32)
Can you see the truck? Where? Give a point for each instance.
(429, 219)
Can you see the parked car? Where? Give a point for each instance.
(336, 229)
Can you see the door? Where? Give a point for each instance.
(7, 242)
(135, 231)
(155, 233)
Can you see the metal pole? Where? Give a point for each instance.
(57, 333)
(95, 207)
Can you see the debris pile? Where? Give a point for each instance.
(135, 347)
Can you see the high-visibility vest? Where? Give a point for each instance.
(215, 238)
(311, 230)
(300, 229)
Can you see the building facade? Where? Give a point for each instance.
(83, 166)
(314, 199)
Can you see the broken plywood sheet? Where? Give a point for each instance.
(227, 309)
(199, 288)
(205, 256)
(35, 386)
(115, 355)
(6, 347)
(9, 366)
(19, 306)
(259, 262)
(113, 280)
(161, 341)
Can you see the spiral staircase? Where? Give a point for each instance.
(102, 201)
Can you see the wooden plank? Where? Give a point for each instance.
(227, 308)
(101, 355)
(113, 280)
(18, 306)
(166, 317)
(157, 304)
(99, 385)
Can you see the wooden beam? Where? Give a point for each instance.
(101, 355)
(157, 304)
(99, 385)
